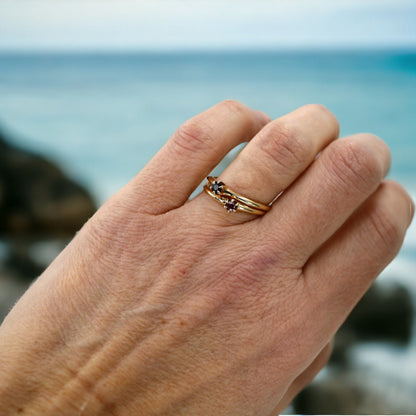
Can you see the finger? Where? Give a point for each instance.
(305, 378)
(312, 210)
(338, 274)
(279, 153)
(191, 153)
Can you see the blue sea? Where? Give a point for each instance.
(103, 116)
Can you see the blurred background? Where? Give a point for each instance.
(90, 90)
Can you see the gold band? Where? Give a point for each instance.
(226, 191)
(231, 200)
(232, 205)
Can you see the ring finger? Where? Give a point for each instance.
(276, 156)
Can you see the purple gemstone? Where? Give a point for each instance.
(231, 205)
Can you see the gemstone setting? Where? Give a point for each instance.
(231, 205)
(217, 187)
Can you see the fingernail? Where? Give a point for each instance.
(262, 117)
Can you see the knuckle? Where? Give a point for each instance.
(283, 145)
(249, 124)
(235, 106)
(320, 111)
(191, 137)
(354, 165)
(248, 274)
(99, 238)
(114, 233)
(387, 228)
(388, 225)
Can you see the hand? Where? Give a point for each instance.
(161, 306)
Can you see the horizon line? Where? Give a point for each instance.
(298, 49)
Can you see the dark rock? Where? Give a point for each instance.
(37, 197)
(11, 288)
(384, 314)
(21, 262)
(356, 392)
(38, 203)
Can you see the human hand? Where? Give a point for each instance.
(161, 306)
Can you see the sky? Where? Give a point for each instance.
(206, 24)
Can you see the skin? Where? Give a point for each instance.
(164, 306)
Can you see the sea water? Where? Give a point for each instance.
(103, 116)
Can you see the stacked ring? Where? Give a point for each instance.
(232, 201)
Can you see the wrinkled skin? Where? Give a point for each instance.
(164, 306)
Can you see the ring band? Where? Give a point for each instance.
(224, 190)
(231, 200)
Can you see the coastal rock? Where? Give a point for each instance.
(357, 391)
(11, 288)
(39, 206)
(384, 314)
(36, 197)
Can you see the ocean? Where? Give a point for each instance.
(103, 116)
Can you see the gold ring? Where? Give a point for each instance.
(231, 200)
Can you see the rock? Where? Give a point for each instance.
(27, 258)
(356, 392)
(38, 203)
(21, 263)
(36, 197)
(385, 313)
(10, 290)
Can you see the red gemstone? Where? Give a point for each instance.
(231, 205)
